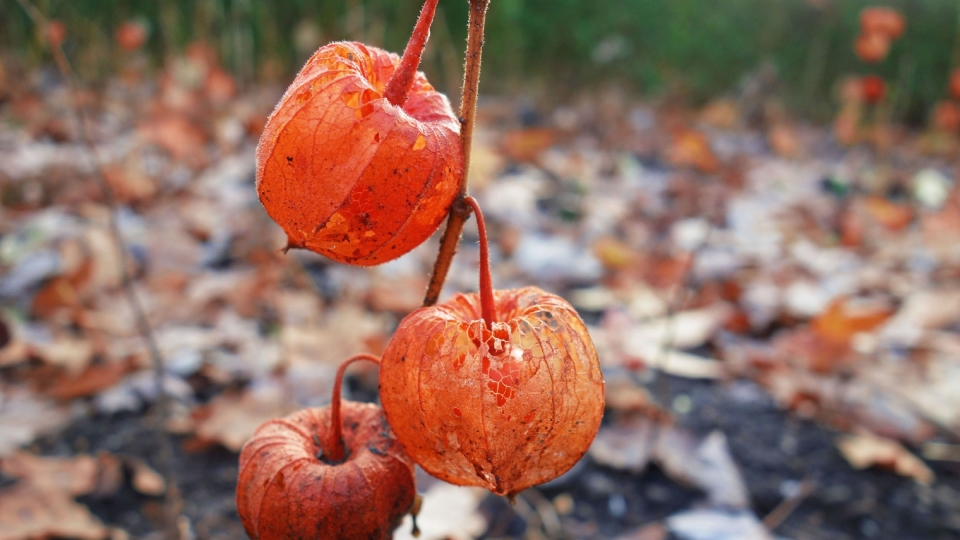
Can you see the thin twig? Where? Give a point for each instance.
(676, 300)
(549, 519)
(459, 211)
(789, 505)
(174, 503)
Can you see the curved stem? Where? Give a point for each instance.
(459, 211)
(487, 306)
(335, 451)
(402, 80)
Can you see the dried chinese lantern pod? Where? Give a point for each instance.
(355, 163)
(882, 20)
(872, 47)
(504, 409)
(131, 35)
(500, 389)
(955, 83)
(946, 117)
(873, 89)
(292, 486)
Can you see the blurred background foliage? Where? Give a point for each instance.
(688, 49)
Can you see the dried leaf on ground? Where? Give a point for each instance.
(691, 148)
(627, 445)
(448, 512)
(704, 463)
(867, 450)
(92, 380)
(145, 480)
(846, 317)
(73, 476)
(717, 525)
(28, 512)
(230, 419)
(527, 144)
(24, 416)
(654, 531)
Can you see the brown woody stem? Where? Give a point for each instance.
(402, 80)
(487, 306)
(460, 211)
(335, 450)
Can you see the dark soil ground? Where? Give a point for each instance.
(772, 448)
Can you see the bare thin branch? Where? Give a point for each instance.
(174, 504)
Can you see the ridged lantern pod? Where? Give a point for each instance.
(872, 47)
(882, 20)
(498, 389)
(874, 89)
(297, 483)
(361, 159)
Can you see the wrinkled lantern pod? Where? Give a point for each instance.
(872, 47)
(361, 159)
(131, 35)
(946, 117)
(498, 389)
(873, 89)
(56, 33)
(882, 20)
(322, 474)
(955, 83)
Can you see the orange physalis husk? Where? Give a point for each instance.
(955, 83)
(882, 20)
(499, 389)
(873, 89)
(131, 35)
(872, 47)
(361, 159)
(946, 117)
(297, 483)
(56, 32)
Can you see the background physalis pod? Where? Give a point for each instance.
(504, 408)
(331, 473)
(355, 163)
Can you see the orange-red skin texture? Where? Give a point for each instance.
(285, 493)
(504, 410)
(346, 173)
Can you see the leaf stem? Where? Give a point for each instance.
(487, 306)
(336, 451)
(399, 86)
(460, 211)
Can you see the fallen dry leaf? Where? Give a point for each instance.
(846, 317)
(784, 141)
(176, 134)
(692, 149)
(29, 512)
(92, 380)
(231, 419)
(705, 463)
(716, 524)
(627, 445)
(145, 480)
(448, 512)
(891, 215)
(527, 144)
(25, 416)
(74, 475)
(865, 449)
(721, 114)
